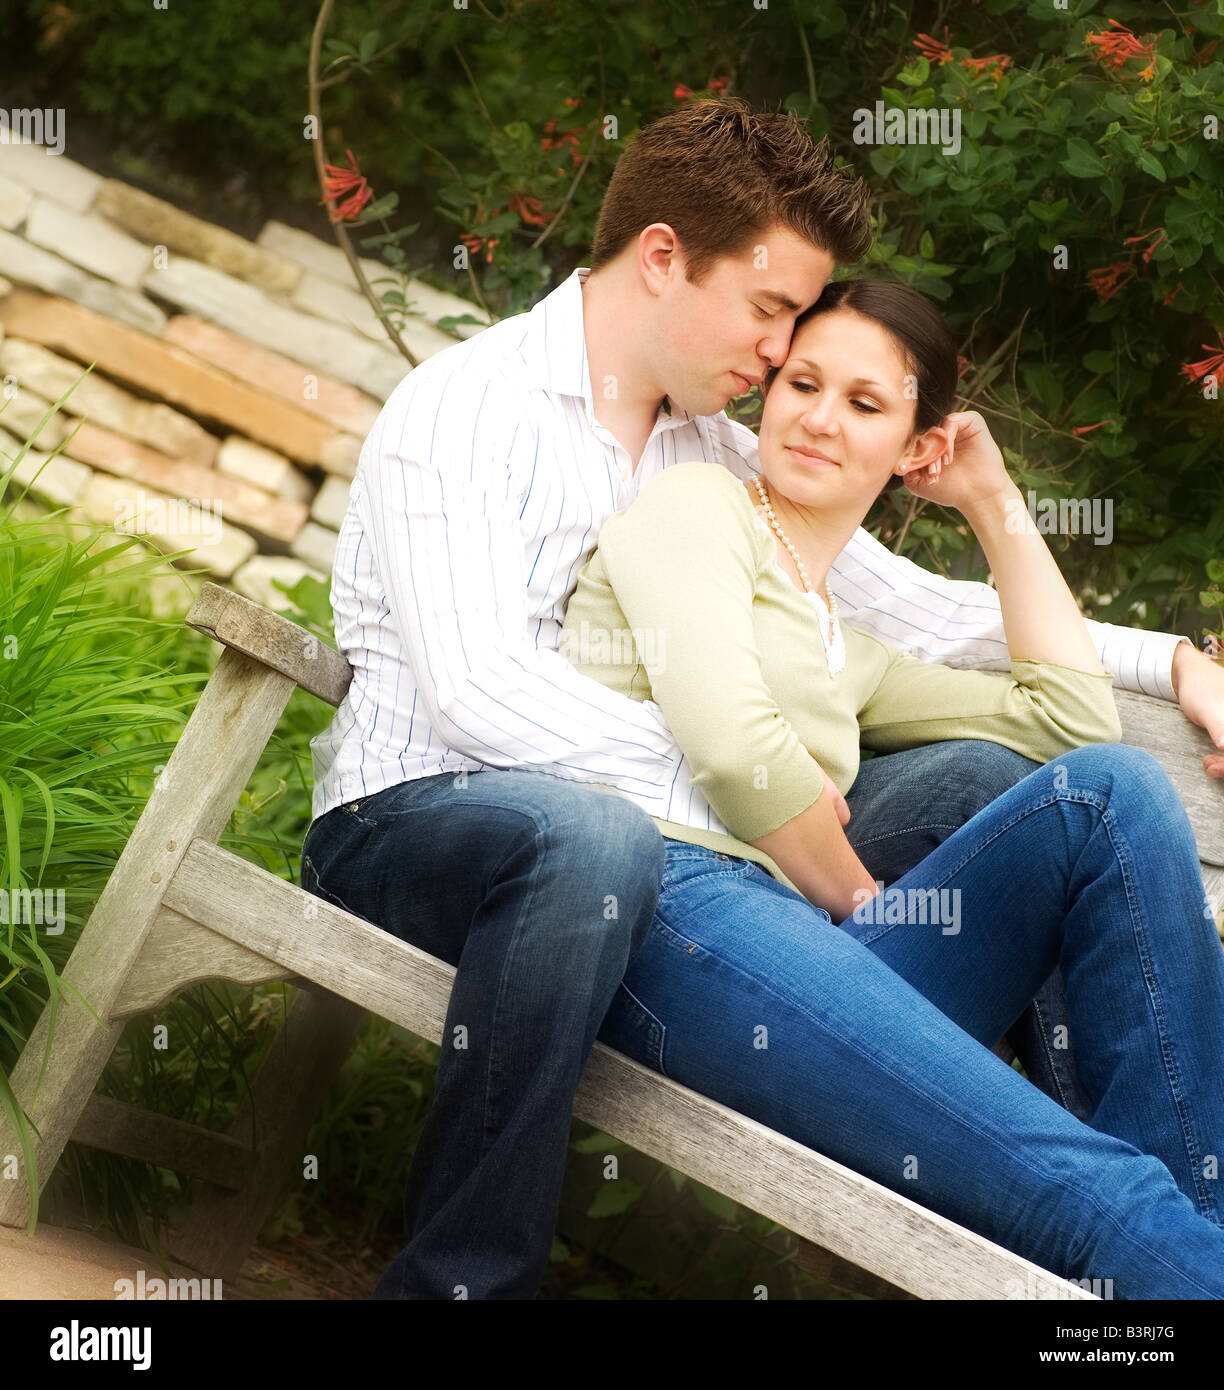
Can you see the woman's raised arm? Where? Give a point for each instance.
(1041, 618)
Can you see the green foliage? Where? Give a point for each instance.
(1081, 219)
(686, 1239)
(81, 716)
(95, 688)
(488, 127)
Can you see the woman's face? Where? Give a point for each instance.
(839, 416)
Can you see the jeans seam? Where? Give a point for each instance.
(999, 1142)
(1043, 1027)
(970, 855)
(1172, 1074)
(656, 1023)
(321, 890)
(737, 868)
(904, 831)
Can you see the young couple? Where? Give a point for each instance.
(680, 853)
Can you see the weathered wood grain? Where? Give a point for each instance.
(275, 641)
(130, 1130)
(194, 796)
(820, 1200)
(179, 953)
(1178, 745)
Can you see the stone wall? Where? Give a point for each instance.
(232, 383)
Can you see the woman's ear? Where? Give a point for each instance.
(926, 449)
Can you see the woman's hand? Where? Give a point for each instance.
(969, 472)
(839, 801)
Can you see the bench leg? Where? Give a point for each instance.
(283, 1100)
(194, 797)
(82, 1049)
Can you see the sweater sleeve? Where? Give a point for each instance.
(683, 561)
(1043, 711)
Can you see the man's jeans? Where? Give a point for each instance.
(869, 1040)
(540, 891)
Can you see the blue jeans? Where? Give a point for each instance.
(429, 860)
(869, 1040)
(539, 891)
(902, 806)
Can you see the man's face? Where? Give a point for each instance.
(716, 340)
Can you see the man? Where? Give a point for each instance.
(462, 790)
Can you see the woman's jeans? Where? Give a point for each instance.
(869, 1040)
(903, 805)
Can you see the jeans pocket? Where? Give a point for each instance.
(631, 1028)
(685, 865)
(363, 810)
(311, 884)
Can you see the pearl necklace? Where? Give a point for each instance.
(794, 554)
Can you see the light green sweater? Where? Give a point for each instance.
(730, 650)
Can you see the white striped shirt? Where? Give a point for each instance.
(478, 498)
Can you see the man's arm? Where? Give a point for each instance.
(959, 622)
(435, 502)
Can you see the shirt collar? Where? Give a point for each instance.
(555, 348)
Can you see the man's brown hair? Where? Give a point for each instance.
(720, 174)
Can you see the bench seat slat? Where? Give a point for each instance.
(818, 1199)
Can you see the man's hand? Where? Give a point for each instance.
(1198, 683)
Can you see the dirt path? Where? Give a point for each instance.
(62, 1263)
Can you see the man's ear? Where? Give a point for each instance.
(927, 448)
(660, 256)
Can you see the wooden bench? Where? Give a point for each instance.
(178, 910)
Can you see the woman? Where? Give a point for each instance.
(869, 1040)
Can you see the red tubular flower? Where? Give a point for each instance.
(554, 139)
(529, 209)
(1116, 49)
(1169, 298)
(718, 85)
(1143, 236)
(995, 65)
(682, 93)
(963, 365)
(475, 244)
(1087, 429)
(1109, 279)
(1213, 365)
(349, 185)
(932, 49)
